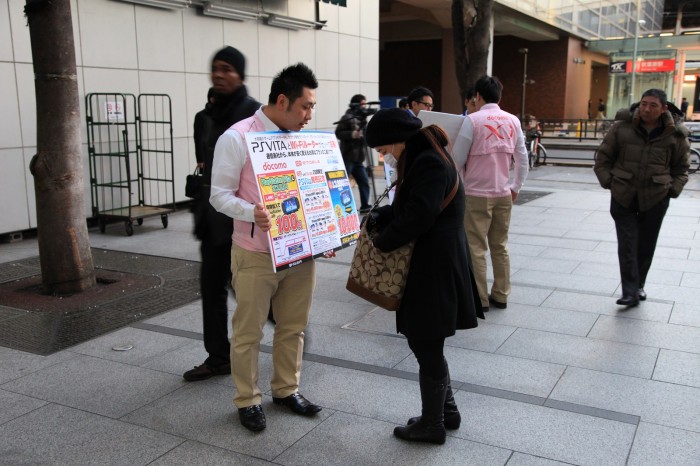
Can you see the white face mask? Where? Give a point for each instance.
(389, 158)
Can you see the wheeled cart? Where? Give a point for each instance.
(130, 148)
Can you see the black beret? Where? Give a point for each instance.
(390, 126)
(233, 57)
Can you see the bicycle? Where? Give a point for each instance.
(536, 153)
(694, 160)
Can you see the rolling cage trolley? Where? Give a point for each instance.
(130, 149)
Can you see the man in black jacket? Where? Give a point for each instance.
(350, 131)
(231, 103)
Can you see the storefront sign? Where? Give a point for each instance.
(643, 66)
(303, 184)
(618, 67)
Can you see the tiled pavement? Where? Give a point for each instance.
(563, 376)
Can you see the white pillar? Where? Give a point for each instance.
(680, 76)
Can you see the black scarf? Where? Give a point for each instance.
(223, 111)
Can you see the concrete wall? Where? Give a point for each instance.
(127, 48)
(563, 73)
(599, 88)
(546, 65)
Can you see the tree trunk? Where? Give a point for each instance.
(471, 29)
(57, 167)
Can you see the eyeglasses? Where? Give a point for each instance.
(428, 105)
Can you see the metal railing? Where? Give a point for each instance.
(575, 129)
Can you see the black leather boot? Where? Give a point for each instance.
(452, 418)
(430, 427)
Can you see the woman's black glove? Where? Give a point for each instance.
(371, 219)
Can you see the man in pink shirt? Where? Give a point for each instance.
(485, 146)
(234, 192)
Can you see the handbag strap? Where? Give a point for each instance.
(382, 196)
(450, 196)
(443, 205)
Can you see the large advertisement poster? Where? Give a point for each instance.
(304, 186)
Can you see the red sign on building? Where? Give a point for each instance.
(652, 66)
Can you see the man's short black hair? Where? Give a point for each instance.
(658, 93)
(470, 93)
(357, 98)
(417, 94)
(291, 82)
(489, 88)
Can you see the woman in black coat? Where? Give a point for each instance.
(440, 292)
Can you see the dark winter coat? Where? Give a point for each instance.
(210, 225)
(353, 149)
(651, 167)
(441, 294)
(203, 125)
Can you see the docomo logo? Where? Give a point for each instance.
(274, 166)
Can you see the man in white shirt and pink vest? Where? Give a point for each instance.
(488, 141)
(234, 192)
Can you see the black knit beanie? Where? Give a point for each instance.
(390, 126)
(233, 57)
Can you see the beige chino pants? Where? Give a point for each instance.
(290, 292)
(486, 221)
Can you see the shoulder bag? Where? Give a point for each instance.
(380, 277)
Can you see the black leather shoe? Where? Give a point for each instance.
(629, 301)
(484, 309)
(298, 404)
(205, 372)
(252, 418)
(497, 304)
(642, 294)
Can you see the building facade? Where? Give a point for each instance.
(556, 59)
(553, 56)
(126, 46)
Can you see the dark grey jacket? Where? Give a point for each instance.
(353, 149)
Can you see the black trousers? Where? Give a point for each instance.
(215, 275)
(359, 172)
(430, 356)
(637, 233)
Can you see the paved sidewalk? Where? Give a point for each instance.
(563, 376)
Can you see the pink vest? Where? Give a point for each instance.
(248, 190)
(493, 145)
